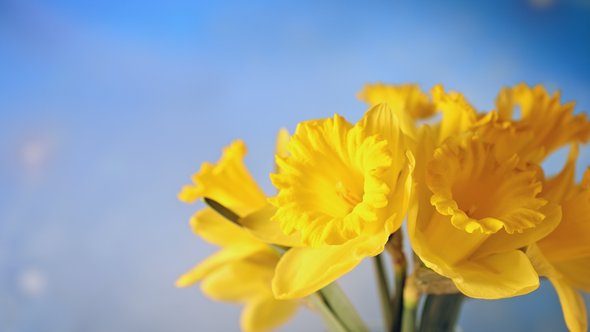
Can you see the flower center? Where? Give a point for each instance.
(481, 193)
(347, 195)
(472, 209)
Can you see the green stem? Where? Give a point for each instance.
(440, 312)
(409, 319)
(400, 265)
(398, 301)
(384, 293)
(330, 302)
(411, 299)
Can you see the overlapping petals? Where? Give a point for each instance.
(345, 189)
(479, 193)
(483, 212)
(567, 248)
(479, 208)
(242, 271)
(331, 186)
(543, 125)
(333, 181)
(227, 182)
(247, 282)
(457, 114)
(407, 101)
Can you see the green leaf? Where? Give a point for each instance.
(342, 308)
(395, 248)
(233, 217)
(332, 305)
(332, 323)
(384, 293)
(440, 312)
(222, 210)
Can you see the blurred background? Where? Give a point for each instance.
(107, 107)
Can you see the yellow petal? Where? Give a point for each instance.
(458, 114)
(502, 242)
(405, 97)
(451, 251)
(259, 225)
(238, 282)
(497, 276)
(508, 142)
(572, 304)
(570, 239)
(540, 263)
(562, 187)
(421, 212)
(420, 207)
(505, 104)
(281, 146)
(228, 182)
(480, 193)
(545, 123)
(212, 263)
(576, 272)
(215, 229)
(381, 120)
(330, 188)
(302, 271)
(429, 231)
(265, 313)
(408, 103)
(430, 240)
(399, 198)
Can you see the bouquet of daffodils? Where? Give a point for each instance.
(483, 219)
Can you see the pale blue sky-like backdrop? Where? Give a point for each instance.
(107, 107)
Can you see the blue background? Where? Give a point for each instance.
(107, 107)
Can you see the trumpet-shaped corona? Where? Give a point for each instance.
(480, 194)
(331, 186)
(337, 179)
(344, 189)
(472, 214)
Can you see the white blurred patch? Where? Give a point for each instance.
(32, 282)
(34, 153)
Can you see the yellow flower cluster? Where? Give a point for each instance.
(479, 208)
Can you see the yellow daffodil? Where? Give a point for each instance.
(407, 101)
(242, 271)
(457, 114)
(471, 214)
(544, 124)
(343, 190)
(567, 248)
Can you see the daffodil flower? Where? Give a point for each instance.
(471, 215)
(458, 115)
(567, 248)
(242, 271)
(343, 190)
(407, 101)
(543, 125)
